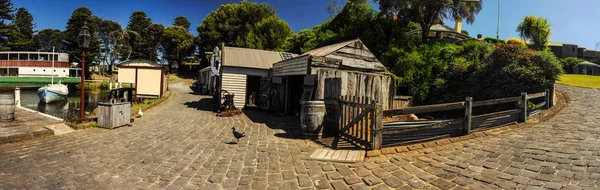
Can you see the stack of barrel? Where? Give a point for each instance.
(7, 107)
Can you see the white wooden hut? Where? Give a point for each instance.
(243, 72)
(148, 77)
(326, 73)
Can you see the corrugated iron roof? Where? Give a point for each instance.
(251, 58)
(139, 62)
(326, 50)
(587, 63)
(439, 27)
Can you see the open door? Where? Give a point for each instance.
(264, 93)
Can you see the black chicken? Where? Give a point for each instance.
(237, 135)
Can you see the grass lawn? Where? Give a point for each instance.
(587, 81)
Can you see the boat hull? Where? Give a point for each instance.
(47, 96)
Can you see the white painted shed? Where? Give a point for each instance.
(148, 77)
(243, 72)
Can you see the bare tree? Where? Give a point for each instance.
(334, 7)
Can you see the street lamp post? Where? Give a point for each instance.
(84, 42)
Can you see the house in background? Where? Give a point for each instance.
(586, 68)
(563, 50)
(446, 33)
(242, 72)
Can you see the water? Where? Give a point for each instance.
(67, 109)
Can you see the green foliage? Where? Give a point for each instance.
(428, 12)
(530, 105)
(247, 24)
(182, 21)
(516, 41)
(178, 43)
(144, 37)
(535, 29)
(109, 33)
(514, 69)
(47, 38)
(21, 38)
(80, 17)
(570, 62)
(6, 15)
(24, 23)
(447, 72)
(493, 40)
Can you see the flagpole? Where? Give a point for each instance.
(53, 57)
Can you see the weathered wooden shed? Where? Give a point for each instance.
(327, 73)
(243, 72)
(587, 68)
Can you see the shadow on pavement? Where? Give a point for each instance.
(204, 104)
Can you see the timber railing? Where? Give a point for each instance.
(361, 120)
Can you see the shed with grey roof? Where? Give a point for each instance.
(329, 72)
(586, 68)
(243, 72)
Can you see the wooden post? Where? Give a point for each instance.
(547, 99)
(551, 95)
(468, 115)
(378, 127)
(524, 106)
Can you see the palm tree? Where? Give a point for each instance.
(536, 30)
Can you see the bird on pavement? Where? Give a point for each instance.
(237, 135)
(140, 113)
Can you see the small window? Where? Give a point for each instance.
(64, 71)
(44, 70)
(55, 70)
(573, 49)
(33, 69)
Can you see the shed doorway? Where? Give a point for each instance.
(295, 88)
(252, 90)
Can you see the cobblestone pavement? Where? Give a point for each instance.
(181, 145)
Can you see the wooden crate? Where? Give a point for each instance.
(113, 115)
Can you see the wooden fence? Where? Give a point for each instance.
(361, 120)
(400, 102)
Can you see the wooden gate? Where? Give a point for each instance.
(264, 94)
(360, 121)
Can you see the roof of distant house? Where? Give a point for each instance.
(587, 63)
(139, 63)
(253, 58)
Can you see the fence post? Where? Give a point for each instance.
(551, 95)
(524, 106)
(378, 127)
(468, 114)
(547, 99)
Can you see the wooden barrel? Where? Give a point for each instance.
(7, 107)
(311, 118)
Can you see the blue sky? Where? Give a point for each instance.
(573, 22)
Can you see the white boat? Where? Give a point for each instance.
(53, 92)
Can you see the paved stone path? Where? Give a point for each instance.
(181, 145)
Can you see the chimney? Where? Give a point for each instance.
(458, 25)
(479, 36)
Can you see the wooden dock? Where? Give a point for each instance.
(346, 156)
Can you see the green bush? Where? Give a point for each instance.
(104, 85)
(447, 72)
(514, 69)
(493, 40)
(570, 62)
